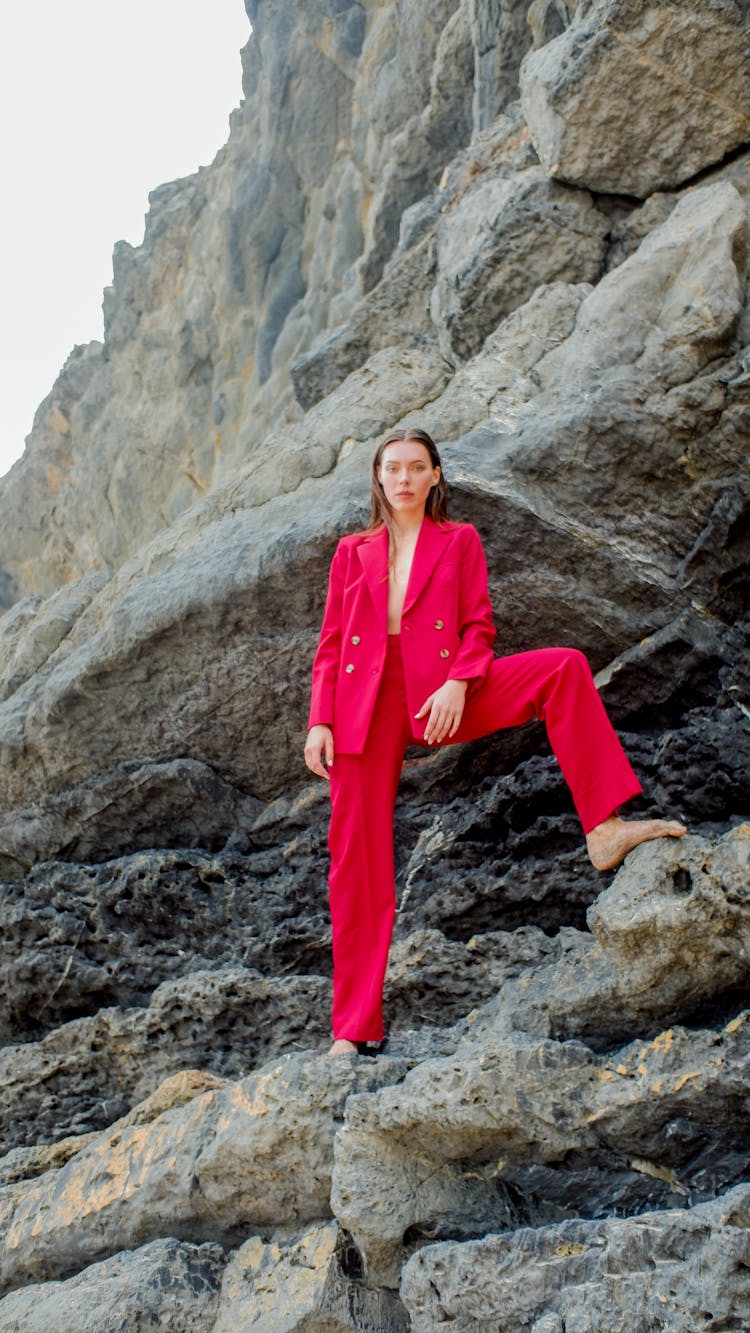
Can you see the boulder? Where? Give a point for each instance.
(635, 96)
(166, 1284)
(679, 1269)
(277, 1287)
(670, 935)
(453, 1148)
(497, 243)
(239, 1158)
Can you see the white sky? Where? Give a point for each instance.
(99, 103)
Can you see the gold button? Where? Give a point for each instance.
(349, 667)
(355, 638)
(444, 652)
(439, 624)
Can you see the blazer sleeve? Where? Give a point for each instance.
(476, 628)
(328, 654)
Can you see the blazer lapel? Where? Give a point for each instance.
(431, 543)
(373, 555)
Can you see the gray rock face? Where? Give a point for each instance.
(166, 1284)
(458, 1147)
(557, 1135)
(600, 97)
(274, 1287)
(592, 1276)
(252, 1154)
(242, 267)
(506, 235)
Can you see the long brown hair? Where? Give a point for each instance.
(436, 506)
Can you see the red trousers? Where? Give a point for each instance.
(552, 684)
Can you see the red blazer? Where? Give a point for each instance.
(446, 626)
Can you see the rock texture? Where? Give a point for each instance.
(522, 225)
(649, 58)
(592, 1275)
(166, 1284)
(235, 1159)
(272, 1287)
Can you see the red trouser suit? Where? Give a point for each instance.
(552, 684)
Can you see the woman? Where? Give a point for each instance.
(404, 657)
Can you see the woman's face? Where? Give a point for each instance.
(407, 476)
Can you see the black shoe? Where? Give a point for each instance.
(372, 1047)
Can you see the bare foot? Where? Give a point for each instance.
(343, 1047)
(609, 843)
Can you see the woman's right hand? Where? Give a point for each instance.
(319, 745)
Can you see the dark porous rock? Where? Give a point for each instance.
(90, 1071)
(166, 1284)
(680, 1269)
(80, 937)
(434, 980)
(702, 768)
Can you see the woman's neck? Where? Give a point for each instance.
(406, 526)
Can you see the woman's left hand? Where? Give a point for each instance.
(445, 708)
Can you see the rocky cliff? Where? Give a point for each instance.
(523, 226)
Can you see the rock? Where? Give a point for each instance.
(636, 97)
(666, 318)
(250, 1155)
(275, 1288)
(90, 1071)
(434, 980)
(23, 1163)
(36, 626)
(451, 1149)
(408, 1166)
(501, 38)
(395, 311)
(78, 938)
(507, 234)
(27, 1163)
(670, 936)
(634, 225)
(166, 1284)
(678, 1269)
(123, 809)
